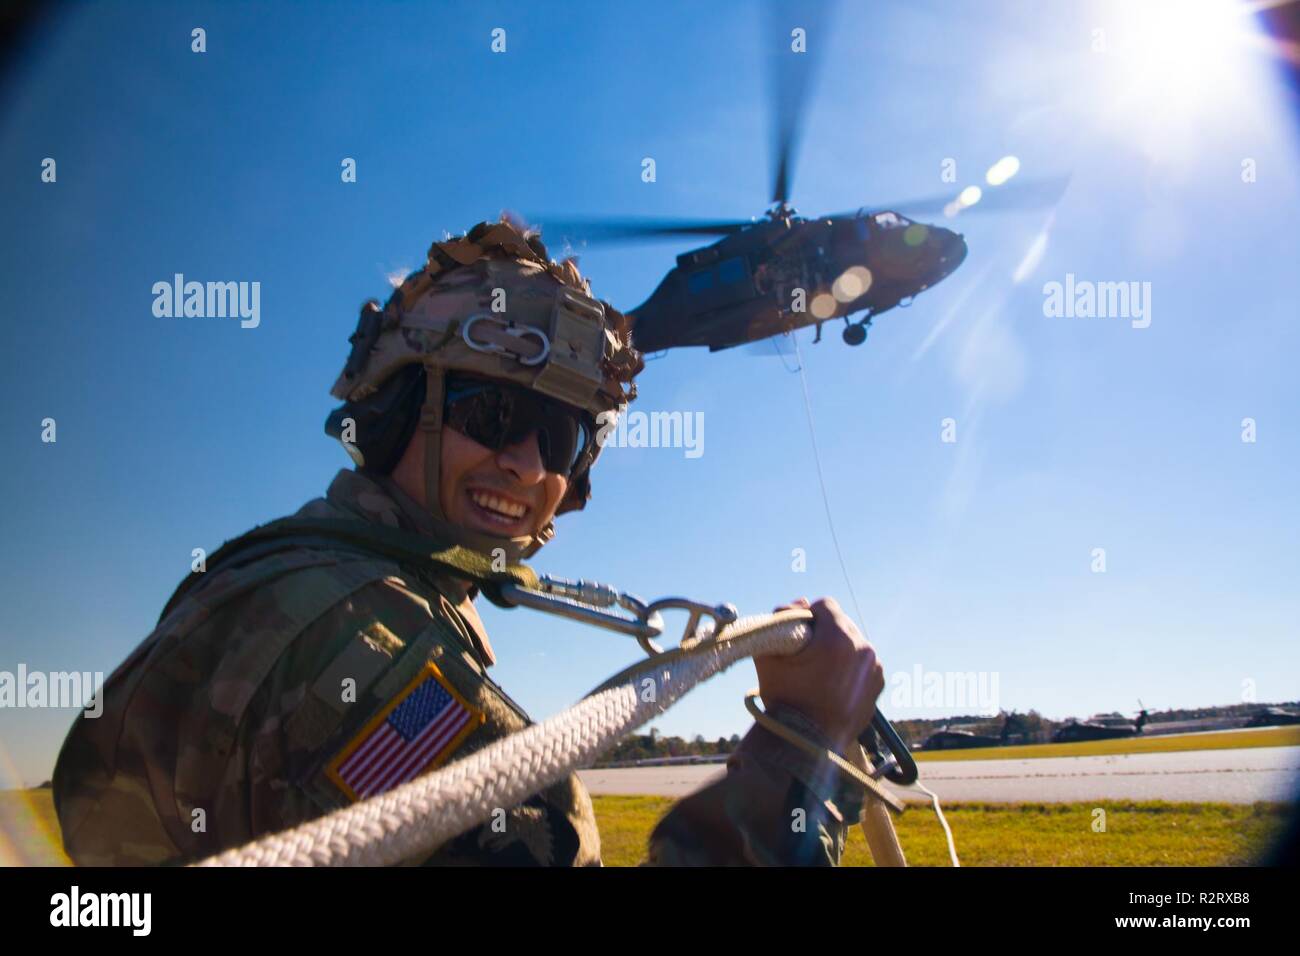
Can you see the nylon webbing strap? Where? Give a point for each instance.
(403, 546)
(435, 394)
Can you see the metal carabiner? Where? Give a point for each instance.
(507, 328)
(590, 601)
(587, 602)
(722, 615)
(891, 756)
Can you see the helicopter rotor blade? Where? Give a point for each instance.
(793, 63)
(633, 228)
(1027, 194)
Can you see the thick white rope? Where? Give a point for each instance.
(421, 815)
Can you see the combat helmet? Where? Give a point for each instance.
(493, 304)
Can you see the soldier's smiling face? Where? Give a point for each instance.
(507, 493)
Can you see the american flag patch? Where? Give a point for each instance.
(416, 730)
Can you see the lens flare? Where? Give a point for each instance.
(1002, 170)
(822, 306)
(915, 234)
(29, 830)
(852, 283)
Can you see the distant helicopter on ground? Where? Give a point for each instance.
(1273, 717)
(1095, 729)
(947, 738)
(782, 272)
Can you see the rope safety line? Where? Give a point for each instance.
(426, 812)
(943, 821)
(830, 522)
(821, 479)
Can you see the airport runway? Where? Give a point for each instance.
(1228, 776)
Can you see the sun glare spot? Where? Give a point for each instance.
(1182, 55)
(852, 283)
(822, 306)
(1002, 170)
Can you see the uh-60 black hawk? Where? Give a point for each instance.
(782, 272)
(1100, 729)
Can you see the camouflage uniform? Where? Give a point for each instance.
(234, 707)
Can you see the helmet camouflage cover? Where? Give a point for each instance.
(492, 303)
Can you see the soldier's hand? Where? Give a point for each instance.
(834, 681)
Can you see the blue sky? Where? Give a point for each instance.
(1072, 434)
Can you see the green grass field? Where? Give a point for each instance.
(1224, 740)
(1023, 834)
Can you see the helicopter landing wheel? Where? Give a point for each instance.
(855, 334)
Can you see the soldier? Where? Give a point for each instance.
(334, 655)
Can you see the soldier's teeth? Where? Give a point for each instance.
(493, 503)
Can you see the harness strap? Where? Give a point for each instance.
(403, 546)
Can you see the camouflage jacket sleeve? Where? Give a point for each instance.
(220, 732)
(776, 806)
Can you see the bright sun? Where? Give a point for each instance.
(1182, 54)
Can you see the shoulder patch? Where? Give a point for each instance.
(415, 731)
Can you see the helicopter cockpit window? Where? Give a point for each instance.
(731, 270)
(701, 281)
(889, 220)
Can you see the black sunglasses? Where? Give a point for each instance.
(497, 415)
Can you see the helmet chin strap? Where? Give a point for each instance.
(431, 425)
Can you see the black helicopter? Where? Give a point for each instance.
(947, 738)
(782, 272)
(1075, 730)
(1273, 717)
